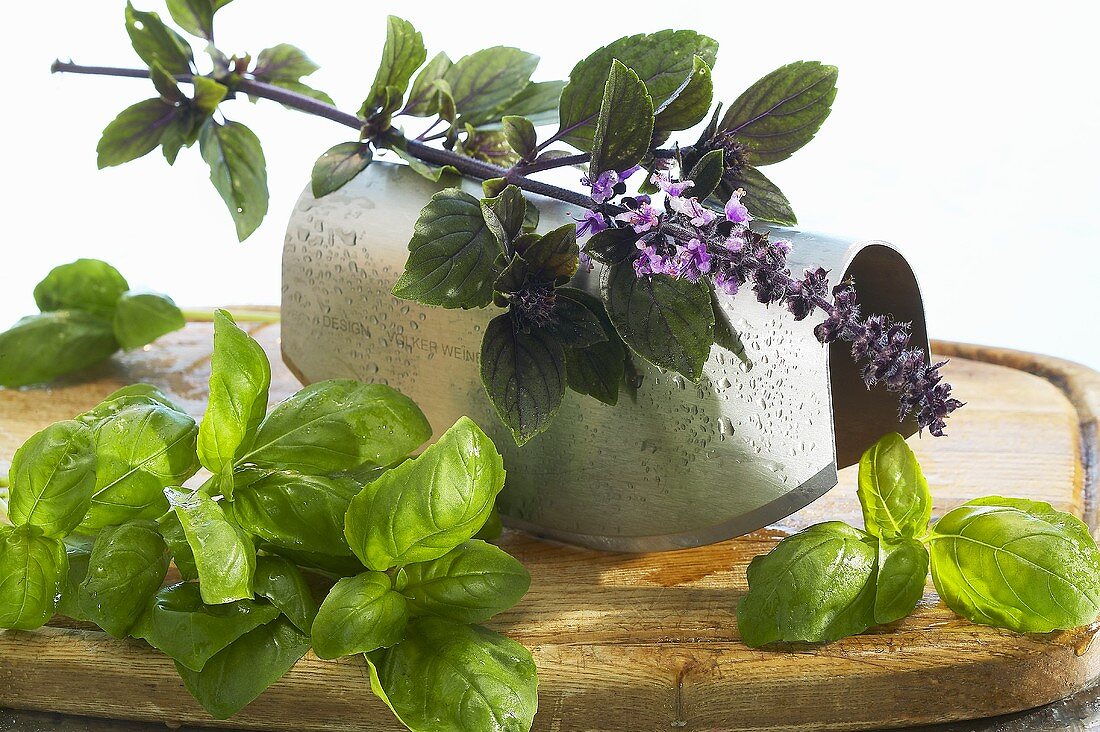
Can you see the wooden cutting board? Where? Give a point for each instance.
(649, 642)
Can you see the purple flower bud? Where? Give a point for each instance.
(735, 210)
(803, 295)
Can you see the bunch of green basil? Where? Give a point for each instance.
(1006, 562)
(322, 482)
(88, 313)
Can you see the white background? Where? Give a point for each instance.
(964, 132)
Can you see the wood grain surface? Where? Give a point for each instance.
(649, 642)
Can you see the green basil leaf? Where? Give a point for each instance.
(142, 317)
(136, 131)
(42, 347)
(402, 55)
(726, 336)
(238, 674)
(624, 128)
(52, 478)
(86, 284)
(689, 104)
(339, 424)
(181, 626)
(538, 102)
(428, 505)
(166, 85)
(240, 376)
(612, 245)
(295, 511)
(33, 569)
(504, 214)
(326, 564)
(662, 61)
(423, 98)
(469, 584)
(1016, 564)
(183, 130)
(284, 66)
(576, 321)
(283, 62)
(338, 166)
(208, 94)
(523, 374)
(489, 78)
(667, 321)
(892, 490)
(238, 171)
(597, 370)
(140, 449)
(78, 552)
(489, 146)
(156, 43)
(762, 197)
(126, 568)
(441, 661)
(145, 391)
(182, 556)
(360, 614)
(225, 556)
(782, 111)
(521, 136)
(194, 16)
(431, 172)
(283, 584)
(707, 173)
(451, 255)
(902, 574)
(551, 257)
(492, 529)
(816, 586)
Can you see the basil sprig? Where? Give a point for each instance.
(618, 111)
(99, 506)
(1006, 562)
(88, 313)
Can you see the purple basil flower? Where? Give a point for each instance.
(693, 260)
(662, 180)
(735, 210)
(603, 188)
(652, 262)
(734, 243)
(642, 219)
(690, 207)
(727, 283)
(590, 223)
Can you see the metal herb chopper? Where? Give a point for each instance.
(682, 464)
